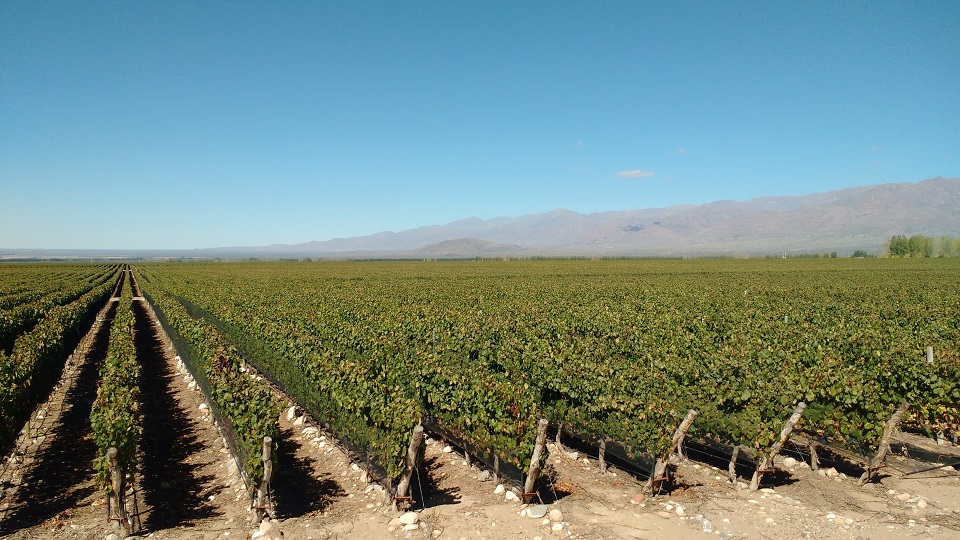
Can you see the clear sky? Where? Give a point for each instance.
(202, 124)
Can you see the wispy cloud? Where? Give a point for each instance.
(682, 151)
(634, 173)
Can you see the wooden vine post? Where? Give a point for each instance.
(116, 503)
(814, 458)
(877, 461)
(402, 500)
(660, 468)
(601, 458)
(732, 467)
(767, 461)
(534, 471)
(263, 502)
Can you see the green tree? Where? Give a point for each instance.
(898, 246)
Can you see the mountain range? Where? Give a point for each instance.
(842, 220)
(858, 218)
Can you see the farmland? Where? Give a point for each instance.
(614, 354)
(613, 349)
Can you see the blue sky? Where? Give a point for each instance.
(203, 124)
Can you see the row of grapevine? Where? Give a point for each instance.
(115, 416)
(612, 349)
(22, 311)
(37, 357)
(374, 382)
(244, 404)
(24, 283)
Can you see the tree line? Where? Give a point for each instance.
(919, 245)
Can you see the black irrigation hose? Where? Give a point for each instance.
(955, 464)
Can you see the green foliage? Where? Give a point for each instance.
(115, 416)
(37, 355)
(919, 245)
(21, 311)
(614, 349)
(244, 402)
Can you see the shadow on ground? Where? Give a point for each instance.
(173, 490)
(296, 490)
(61, 475)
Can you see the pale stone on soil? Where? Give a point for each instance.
(556, 515)
(409, 518)
(537, 511)
(789, 462)
(268, 531)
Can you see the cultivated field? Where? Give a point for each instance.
(683, 383)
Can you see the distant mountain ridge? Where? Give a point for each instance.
(841, 220)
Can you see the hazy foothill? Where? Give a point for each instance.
(860, 220)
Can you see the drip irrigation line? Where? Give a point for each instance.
(928, 469)
(423, 501)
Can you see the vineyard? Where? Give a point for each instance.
(614, 350)
(43, 311)
(634, 362)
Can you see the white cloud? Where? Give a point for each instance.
(635, 173)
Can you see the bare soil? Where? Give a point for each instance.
(188, 490)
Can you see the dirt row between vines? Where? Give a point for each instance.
(188, 487)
